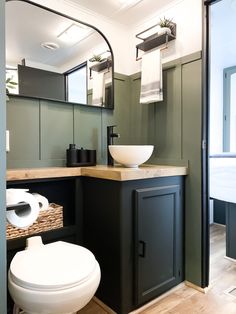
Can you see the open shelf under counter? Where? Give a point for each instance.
(47, 236)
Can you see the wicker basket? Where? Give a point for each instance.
(49, 219)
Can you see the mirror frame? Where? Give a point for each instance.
(89, 25)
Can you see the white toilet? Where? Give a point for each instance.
(56, 278)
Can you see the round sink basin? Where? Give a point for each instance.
(131, 155)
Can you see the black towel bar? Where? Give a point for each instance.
(18, 206)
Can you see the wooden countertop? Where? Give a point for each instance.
(117, 173)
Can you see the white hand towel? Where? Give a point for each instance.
(98, 87)
(151, 77)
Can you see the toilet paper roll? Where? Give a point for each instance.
(17, 190)
(42, 200)
(25, 217)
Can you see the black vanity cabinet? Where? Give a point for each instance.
(135, 230)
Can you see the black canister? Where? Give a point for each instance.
(71, 155)
(92, 156)
(82, 155)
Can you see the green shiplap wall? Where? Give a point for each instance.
(191, 138)
(41, 132)
(174, 127)
(159, 123)
(3, 289)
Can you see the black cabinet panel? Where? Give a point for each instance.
(125, 219)
(219, 211)
(231, 230)
(158, 245)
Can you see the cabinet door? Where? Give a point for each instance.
(158, 237)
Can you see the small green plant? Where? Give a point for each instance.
(96, 58)
(10, 84)
(165, 22)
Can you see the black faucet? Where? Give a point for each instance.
(110, 137)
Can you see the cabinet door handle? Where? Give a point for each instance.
(142, 249)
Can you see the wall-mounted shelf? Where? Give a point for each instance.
(155, 40)
(98, 67)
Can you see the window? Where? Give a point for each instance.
(76, 81)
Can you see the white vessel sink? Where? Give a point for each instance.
(131, 155)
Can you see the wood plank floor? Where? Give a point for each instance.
(185, 300)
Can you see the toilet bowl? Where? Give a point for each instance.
(56, 278)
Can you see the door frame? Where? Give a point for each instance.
(3, 277)
(205, 141)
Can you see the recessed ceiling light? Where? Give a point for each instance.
(125, 4)
(50, 46)
(74, 33)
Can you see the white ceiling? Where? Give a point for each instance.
(115, 10)
(24, 36)
(45, 26)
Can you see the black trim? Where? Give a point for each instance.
(78, 21)
(209, 2)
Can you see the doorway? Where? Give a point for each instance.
(221, 98)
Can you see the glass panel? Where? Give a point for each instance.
(77, 85)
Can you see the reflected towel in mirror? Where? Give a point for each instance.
(98, 87)
(151, 77)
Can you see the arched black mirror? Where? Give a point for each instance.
(52, 56)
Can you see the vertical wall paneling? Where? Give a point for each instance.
(3, 289)
(168, 116)
(191, 99)
(23, 124)
(142, 116)
(56, 130)
(120, 116)
(87, 129)
(159, 123)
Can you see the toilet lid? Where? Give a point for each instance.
(53, 266)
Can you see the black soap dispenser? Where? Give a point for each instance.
(71, 155)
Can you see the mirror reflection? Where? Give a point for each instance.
(54, 57)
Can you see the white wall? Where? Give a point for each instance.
(186, 13)
(223, 47)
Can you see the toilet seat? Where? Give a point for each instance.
(52, 267)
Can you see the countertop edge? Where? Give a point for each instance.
(101, 171)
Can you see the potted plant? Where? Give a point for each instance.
(165, 26)
(96, 59)
(10, 84)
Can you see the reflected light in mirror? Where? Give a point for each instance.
(74, 33)
(128, 3)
